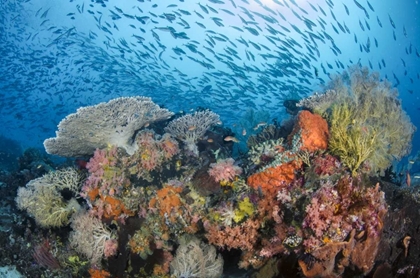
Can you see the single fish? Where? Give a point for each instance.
(391, 21)
(408, 178)
(260, 124)
(231, 139)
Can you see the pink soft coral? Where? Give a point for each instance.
(243, 236)
(224, 170)
(326, 165)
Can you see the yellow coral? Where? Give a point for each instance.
(245, 208)
(352, 140)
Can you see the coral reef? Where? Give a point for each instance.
(224, 170)
(274, 178)
(311, 130)
(91, 238)
(319, 103)
(302, 198)
(152, 152)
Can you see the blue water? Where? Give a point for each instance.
(229, 56)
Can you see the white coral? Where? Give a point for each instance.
(227, 215)
(89, 236)
(115, 122)
(191, 127)
(196, 259)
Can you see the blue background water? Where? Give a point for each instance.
(57, 56)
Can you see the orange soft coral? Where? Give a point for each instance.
(273, 178)
(167, 201)
(99, 273)
(312, 130)
(114, 208)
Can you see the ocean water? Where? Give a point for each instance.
(229, 56)
(242, 59)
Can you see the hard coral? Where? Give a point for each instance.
(311, 130)
(115, 122)
(274, 178)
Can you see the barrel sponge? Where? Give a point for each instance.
(115, 122)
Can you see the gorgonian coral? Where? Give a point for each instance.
(92, 238)
(196, 259)
(367, 123)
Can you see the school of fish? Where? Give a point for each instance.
(226, 55)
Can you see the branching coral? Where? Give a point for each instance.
(191, 127)
(265, 151)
